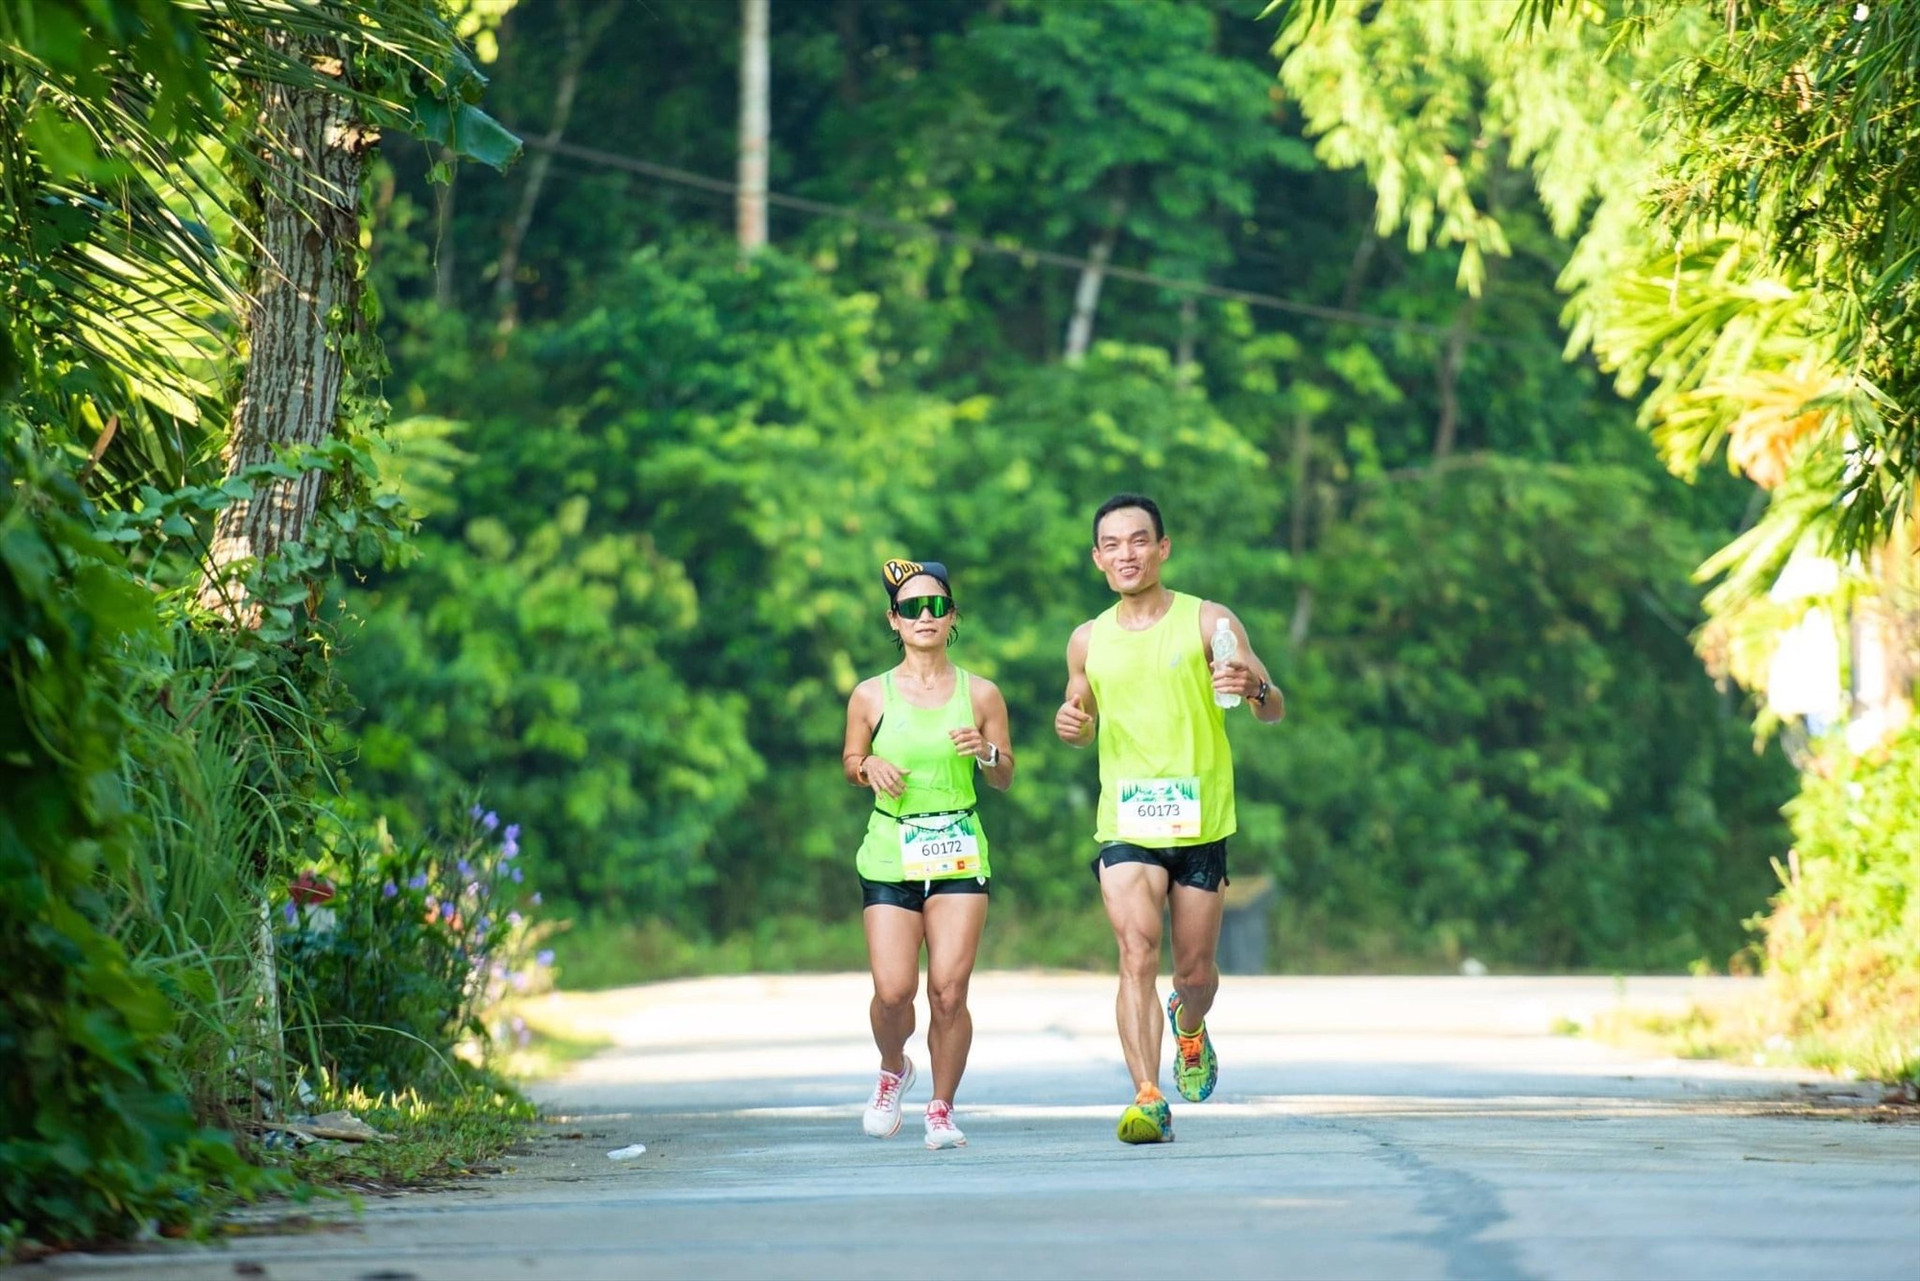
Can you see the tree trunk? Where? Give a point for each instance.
(305, 287)
(1183, 367)
(444, 263)
(1086, 298)
(846, 21)
(1357, 269)
(580, 38)
(752, 200)
(1298, 517)
(1445, 432)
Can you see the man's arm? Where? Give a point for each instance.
(1244, 674)
(1074, 722)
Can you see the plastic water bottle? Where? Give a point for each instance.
(1225, 646)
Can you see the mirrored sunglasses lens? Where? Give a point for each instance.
(919, 605)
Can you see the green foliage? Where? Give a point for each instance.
(97, 1136)
(115, 218)
(1477, 755)
(1843, 939)
(226, 770)
(1511, 726)
(1802, 125)
(1437, 135)
(157, 779)
(402, 955)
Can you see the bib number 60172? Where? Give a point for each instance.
(940, 853)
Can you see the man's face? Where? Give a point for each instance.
(1127, 552)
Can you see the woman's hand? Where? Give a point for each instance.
(969, 741)
(884, 777)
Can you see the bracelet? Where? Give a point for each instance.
(1261, 697)
(860, 770)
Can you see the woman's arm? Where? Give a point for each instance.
(988, 738)
(857, 762)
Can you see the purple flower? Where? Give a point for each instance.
(536, 898)
(389, 890)
(513, 832)
(513, 919)
(291, 912)
(543, 957)
(516, 876)
(446, 910)
(475, 812)
(466, 868)
(419, 882)
(509, 848)
(489, 820)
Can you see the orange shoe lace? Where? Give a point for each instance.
(1191, 1047)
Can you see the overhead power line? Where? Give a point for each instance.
(977, 244)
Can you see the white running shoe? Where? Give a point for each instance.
(882, 1120)
(941, 1131)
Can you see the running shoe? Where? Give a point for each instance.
(882, 1120)
(1195, 1066)
(941, 1131)
(1148, 1119)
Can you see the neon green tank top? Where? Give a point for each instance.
(940, 788)
(1163, 740)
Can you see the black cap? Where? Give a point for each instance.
(896, 572)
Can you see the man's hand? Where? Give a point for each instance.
(883, 776)
(1073, 724)
(1232, 676)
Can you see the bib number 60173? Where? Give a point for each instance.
(1158, 809)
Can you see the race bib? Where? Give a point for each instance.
(932, 852)
(1156, 809)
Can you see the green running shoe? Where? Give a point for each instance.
(1148, 1119)
(1195, 1066)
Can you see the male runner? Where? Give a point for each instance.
(1140, 679)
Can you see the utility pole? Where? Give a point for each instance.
(752, 199)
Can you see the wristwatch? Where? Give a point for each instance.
(991, 759)
(1261, 696)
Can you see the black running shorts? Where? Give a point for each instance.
(913, 895)
(1204, 867)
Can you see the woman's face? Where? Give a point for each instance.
(911, 618)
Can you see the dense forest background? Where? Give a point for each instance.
(1032, 254)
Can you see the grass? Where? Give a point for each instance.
(433, 1141)
(1751, 1031)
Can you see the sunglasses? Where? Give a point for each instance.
(938, 606)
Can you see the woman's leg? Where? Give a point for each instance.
(894, 935)
(953, 926)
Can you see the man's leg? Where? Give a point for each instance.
(1196, 945)
(953, 924)
(1134, 894)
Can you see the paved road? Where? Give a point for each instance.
(1362, 1128)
